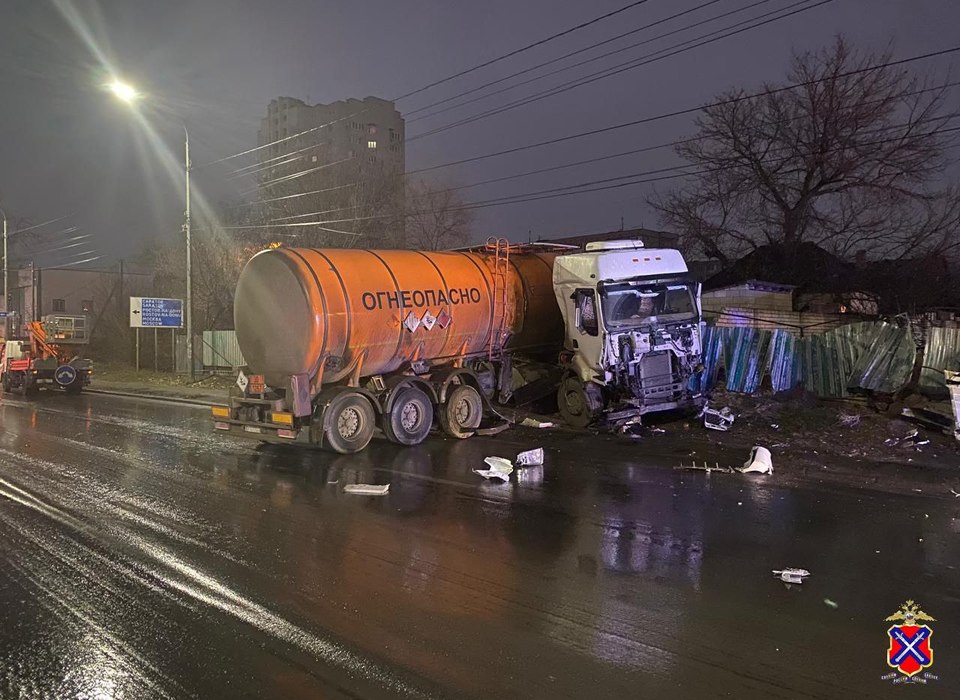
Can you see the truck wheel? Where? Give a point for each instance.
(410, 418)
(579, 405)
(74, 388)
(462, 412)
(350, 423)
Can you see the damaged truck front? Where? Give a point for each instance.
(633, 332)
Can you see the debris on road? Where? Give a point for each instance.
(717, 419)
(791, 575)
(536, 423)
(530, 458)
(849, 421)
(955, 494)
(492, 428)
(759, 462)
(500, 468)
(708, 469)
(830, 604)
(367, 489)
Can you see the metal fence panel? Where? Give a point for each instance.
(220, 350)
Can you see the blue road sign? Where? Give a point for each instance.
(149, 312)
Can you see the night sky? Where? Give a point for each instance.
(68, 149)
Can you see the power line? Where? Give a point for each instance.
(522, 49)
(439, 82)
(603, 184)
(294, 196)
(628, 65)
(575, 53)
(660, 146)
(685, 111)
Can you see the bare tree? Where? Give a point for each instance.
(435, 217)
(851, 159)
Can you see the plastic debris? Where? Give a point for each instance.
(535, 423)
(717, 419)
(955, 494)
(530, 458)
(791, 575)
(500, 468)
(830, 603)
(849, 421)
(367, 489)
(759, 462)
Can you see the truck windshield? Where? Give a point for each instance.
(627, 304)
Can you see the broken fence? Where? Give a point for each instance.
(874, 355)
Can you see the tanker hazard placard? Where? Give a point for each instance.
(419, 298)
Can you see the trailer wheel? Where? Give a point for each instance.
(579, 404)
(350, 423)
(410, 418)
(462, 412)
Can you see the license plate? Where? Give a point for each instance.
(252, 429)
(222, 426)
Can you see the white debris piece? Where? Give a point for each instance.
(535, 423)
(759, 462)
(367, 489)
(717, 419)
(791, 575)
(500, 468)
(530, 458)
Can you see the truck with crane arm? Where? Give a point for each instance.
(341, 344)
(47, 358)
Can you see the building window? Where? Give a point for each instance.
(86, 306)
(59, 305)
(372, 129)
(313, 159)
(371, 144)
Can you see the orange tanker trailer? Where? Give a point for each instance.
(341, 342)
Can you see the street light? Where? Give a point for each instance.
(6, 291)
(127, 93)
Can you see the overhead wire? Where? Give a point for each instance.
(484, 64)
(575, 53)
(602, 184)
(675, 50)
(684, 111)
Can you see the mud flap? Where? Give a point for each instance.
(300, 391)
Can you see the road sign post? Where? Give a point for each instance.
(155, 312)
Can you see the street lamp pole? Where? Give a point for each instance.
(6, 291)
(186, 229)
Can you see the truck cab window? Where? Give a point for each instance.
(587, 312)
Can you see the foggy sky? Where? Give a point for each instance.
(68, 149)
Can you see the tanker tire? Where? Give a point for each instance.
(579, 405)
(462, 412)
(351, 422)
(410, 418)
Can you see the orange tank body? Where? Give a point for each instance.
(339, 313)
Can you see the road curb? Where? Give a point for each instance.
(154, 397)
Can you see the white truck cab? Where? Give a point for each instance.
(633, 330)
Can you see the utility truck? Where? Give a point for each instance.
(48, 357)
(341, 344)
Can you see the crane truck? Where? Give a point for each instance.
(48, 358)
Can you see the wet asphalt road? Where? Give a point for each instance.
(144, 556)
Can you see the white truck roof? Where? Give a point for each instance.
(616, 260)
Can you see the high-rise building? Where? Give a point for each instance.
(341, 162)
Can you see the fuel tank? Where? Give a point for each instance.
(332, 311)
